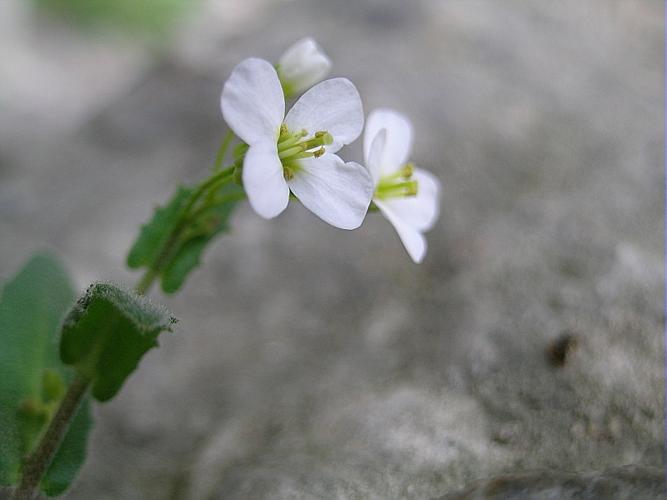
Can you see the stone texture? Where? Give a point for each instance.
(317, 363)
(637, 483)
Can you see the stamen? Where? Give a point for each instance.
(388, 188)
(404, 173)
(412, 189)
(301, 156)
(326, 137)
(408, 169)
(320, 139)
(286, 153)
(288, 142)
(292, 147)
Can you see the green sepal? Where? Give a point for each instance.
(106, 334)
(32, 378)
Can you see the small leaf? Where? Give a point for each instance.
(154, 234)
(172, 257)
(187, 258)
(107, 333)
(211, 223)
(32, 378)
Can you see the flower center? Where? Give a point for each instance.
(397, 185)
(294, 146)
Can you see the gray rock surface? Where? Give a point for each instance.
(317, 363)
(636, 483)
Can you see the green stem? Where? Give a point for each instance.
(222, 150)
(220, 201)
(224, 175)
(146, 281)
(38, 462)
(214, 186)
(213, 182)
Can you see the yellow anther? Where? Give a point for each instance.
(327, 138)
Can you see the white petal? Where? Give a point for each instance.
(303, 65)
(263, 180)
(420, 211)
(398, 145)
(375, 155)
(333, 105)
(413, 241)
(337, 192)
(252, 101)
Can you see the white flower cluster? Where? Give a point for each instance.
(296, 152)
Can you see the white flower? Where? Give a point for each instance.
(407, 196)
(295, 152)
(302, 66)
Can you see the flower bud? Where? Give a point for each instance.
(301, 66)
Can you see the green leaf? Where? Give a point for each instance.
(154, 235)
(32, 378)
(174, 257)
(187, 258)
(210, 224)
(107, 333)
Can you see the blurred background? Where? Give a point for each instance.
(312, 362)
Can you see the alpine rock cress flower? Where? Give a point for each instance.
(297, 152)
(407, 196)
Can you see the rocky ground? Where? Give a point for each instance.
(316, 363)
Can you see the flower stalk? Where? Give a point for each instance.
(39, 461)
(206, 190)
(222, 150)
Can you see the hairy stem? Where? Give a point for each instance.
(38, 462)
